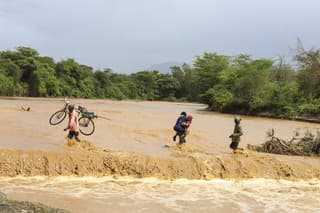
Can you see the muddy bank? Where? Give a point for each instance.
(8, 206)
(188, 162)
(309, 119)
(301, 118)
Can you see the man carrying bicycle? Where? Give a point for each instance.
(73, 124)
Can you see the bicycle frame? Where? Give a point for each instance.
(85, 118)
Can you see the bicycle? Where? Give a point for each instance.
(86, 123)
(59, 115)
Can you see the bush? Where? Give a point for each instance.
(309, 109)
(171, 99)
(289, 111)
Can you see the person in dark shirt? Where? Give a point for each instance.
(181, 126)
(235, 136)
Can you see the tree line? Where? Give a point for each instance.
(231, 84)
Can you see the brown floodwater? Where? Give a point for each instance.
(146, 127)
(137, 126)
(89, 194)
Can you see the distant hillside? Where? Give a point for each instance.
(164, 67)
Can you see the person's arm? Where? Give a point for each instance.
(69, 122)
(184, 124)
(189, 123)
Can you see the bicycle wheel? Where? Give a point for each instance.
(86, 126)
(57, 117)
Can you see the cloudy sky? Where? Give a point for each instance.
(132, 35)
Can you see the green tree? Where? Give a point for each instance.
(6, 85)
(147, 86)
(188, 82)
(309, 72)
(167, 86)
(252, 82)
(208, 68)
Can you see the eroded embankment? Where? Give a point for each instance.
(88, 160)
(25, 206)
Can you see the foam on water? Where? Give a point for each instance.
(258, 195)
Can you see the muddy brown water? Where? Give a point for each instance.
(145, 128)
(89, 194)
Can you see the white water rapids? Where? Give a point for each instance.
(105, 194)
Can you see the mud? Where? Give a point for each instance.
(85, 159)
(11, 206)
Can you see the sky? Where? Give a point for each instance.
(132, 35)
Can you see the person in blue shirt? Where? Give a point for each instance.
(181, 126)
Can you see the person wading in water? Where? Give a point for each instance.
(73, 124)
(181, 127)
(235, 136)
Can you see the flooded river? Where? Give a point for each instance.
(89, 194)
(142, 127)
(145, 128)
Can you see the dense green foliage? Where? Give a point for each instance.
(237, 84)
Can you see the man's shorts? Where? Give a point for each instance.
(73, 133)
(234, 145)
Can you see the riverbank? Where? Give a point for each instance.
(293, 118)
(7, 205)
(309, 119)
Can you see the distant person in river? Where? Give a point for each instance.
(73, 124)
(177, 127)
(235, 136)
(25, 108)
(181, 127)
